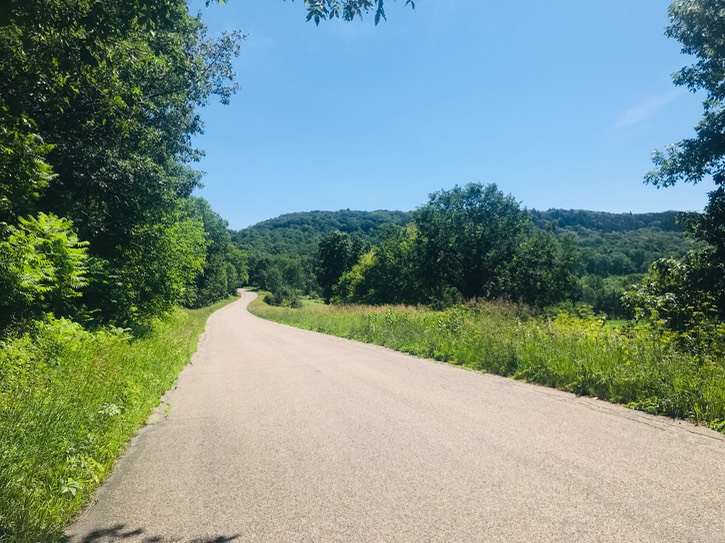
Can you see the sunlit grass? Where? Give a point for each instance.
(70, 400)
(623, 363)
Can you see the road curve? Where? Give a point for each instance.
(280, 435)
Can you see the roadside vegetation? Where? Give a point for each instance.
(70, 400)
(633, 364)
(473, 280)
(101, 240)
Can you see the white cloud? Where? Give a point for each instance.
(648, 108)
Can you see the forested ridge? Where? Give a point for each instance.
(607, 222)
(613, 250)
(300, 233)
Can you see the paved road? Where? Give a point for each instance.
(280, 435)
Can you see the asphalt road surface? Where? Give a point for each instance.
(279, 435)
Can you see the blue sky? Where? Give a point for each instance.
(560, 103)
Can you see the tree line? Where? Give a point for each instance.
(465, 243)
(611, 251)
(98, 105)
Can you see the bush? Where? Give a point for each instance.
(43, 267)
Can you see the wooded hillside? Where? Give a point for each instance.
(613, 249)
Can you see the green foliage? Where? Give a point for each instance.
(676, 297)
(631, 365)
(337, 253)
(541, 271)
(69, 402)
(24, 172)
(623, 252)
(104, 95)
(299, 234)
(161, 263)
(607, 251)
(468, 238)
(387, 273)
(604, 294)
(285, 280)
(292, 241)
(225, 268)
(284, 296)
(43, 267)
(616, 250)
(580, 220)
(321, 10)
(699, 25)
(466, 243)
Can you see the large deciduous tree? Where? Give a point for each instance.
(469, 237)
(98, 105)
(699, 25)
(337, 253)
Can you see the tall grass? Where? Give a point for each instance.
(631, 364)
(69, 402)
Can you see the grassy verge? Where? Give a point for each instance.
(70, 400)
(625, 364)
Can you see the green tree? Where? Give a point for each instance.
(470, 242)
(542, 270)
(468, 238)
(388, 273)
(699, 25)
(676, 296)
(225, 268)
(337, 253)
(162, 262)
(107, 95)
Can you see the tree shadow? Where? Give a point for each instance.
(120, 532)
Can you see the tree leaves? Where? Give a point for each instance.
(699, 25)
(102, 99)
(465, 243)
(348, 10)
(43, 266)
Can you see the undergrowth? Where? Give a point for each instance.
(70, 400)
(629, 364)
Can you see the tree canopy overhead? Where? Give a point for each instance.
(321, 10)
(699, 25)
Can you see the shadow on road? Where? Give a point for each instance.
(120, 532)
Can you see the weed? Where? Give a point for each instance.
(69, 402)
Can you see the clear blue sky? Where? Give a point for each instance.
(560, 103)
